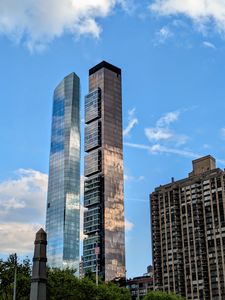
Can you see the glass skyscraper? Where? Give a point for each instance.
(63, 201)
(104, 246)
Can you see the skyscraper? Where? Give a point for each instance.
(63, 202)
(188, 233)
(104, 245)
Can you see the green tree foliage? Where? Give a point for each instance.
(111, 291)
(7, 270)
(62, 284)
(153, 295)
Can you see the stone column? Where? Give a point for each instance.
(39, 276)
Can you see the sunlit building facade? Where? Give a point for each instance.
(188, 233)
(63, 200)
(104, 245)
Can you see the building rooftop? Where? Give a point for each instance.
(203, 164)
(106, 65)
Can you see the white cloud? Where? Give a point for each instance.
(128, 177)
(159, 149)
(163, 34)
(168, 118)
(162, 149)
(130, 126)
(209, 45)
(158, 134)
(12, 204)
(128, 6)
(37, 22)
(132, 121)
(133, 179)
(17, 237)
(202, 12)
(24, 199)
(128, 225)
(22, 210)
(162, 132)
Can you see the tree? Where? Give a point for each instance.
(155, 295)
(111, 291)
(7, 269)
(61, 284)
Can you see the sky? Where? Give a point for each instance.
(171, 53)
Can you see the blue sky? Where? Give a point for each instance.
(172, 60)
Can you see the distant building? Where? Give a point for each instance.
(149, 271)
(104, 246)
(63, 202)
(139, 286)
(188, 233)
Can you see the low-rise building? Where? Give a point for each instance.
(139, 286)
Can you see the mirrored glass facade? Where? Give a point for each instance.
(103, 168)
(63, 201)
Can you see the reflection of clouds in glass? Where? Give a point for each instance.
(74, 139)
(72, 201)
(63, 214)
(114, 208)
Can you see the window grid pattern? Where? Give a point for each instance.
(188, 236)
(93, 105)
(63, 200)
(108, 197)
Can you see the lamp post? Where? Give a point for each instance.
(97, 251)
(15, 273)
(96, 267)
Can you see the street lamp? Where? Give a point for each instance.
(97, 252)
(15, 271)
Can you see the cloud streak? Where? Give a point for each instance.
(159, 149)
(207, 44)
(37, 22)
(132, 122)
